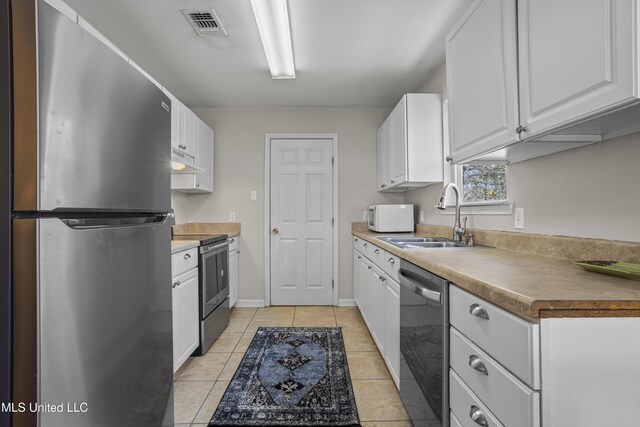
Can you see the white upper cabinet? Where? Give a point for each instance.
(204, 180)
(176, 111)
(188, 131)
(482, 79)
(563, 77)
(576, 60)
(409, 145)
(203, 141)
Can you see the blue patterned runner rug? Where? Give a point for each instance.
(291, 377)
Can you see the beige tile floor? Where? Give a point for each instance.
(200, 383)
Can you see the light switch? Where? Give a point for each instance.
(365, 215)
(421, 217)
(232, 216)
(254, 195)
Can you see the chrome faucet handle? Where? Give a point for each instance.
(464, 224)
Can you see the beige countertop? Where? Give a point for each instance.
(183, 245)
(528, 285)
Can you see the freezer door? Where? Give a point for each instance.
(105, 326)
(104, 129)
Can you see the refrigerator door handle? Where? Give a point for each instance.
(95, 223)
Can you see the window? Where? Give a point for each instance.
(482, 182)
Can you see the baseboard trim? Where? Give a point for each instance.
(250, 303)
(346, 303)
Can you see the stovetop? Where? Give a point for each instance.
(205, 239)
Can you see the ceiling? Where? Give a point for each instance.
(348, 53)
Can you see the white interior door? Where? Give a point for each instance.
(301, 203)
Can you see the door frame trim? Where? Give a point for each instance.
(267, 208)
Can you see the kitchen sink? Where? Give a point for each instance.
(425, 242)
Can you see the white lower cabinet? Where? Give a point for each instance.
(377, 296)
(234, 254)
(392, 329)
(569, 372)
(185, 315)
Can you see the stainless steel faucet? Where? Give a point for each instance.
(458, 229)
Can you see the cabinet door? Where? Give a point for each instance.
(185, 316)
(392, 329)
(233, 277)
(176, 111)
(576, 59)
(482, 79)
(399, 144)
(382, 153)
(377, 307)
(356, 277)
(204, 180)
(188, 131)
(366, 290)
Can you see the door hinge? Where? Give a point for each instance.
(333, 161)
(333, 222)
(333, 284)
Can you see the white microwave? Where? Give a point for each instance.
(391, 218)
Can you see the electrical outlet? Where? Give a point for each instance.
(232, 216)
(421, 217)
(519, 218)
(254, 195)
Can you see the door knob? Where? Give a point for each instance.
(274, 230)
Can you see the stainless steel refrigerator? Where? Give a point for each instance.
(91, 335)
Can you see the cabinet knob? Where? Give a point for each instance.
(383, 185)
(197, 185)
(364, 245)
(521, 129)
(359, 257)
(476, 363)
(477, 416)
(449, 159)
(369, 267)
(391, 261)
(176, 284)
(186, 256)
(377, 251)
(478, 311)
(232, 240)
(393, 182)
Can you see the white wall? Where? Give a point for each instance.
(180, 206)
(239, 168)
(592, 191)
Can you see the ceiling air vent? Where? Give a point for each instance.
(205, 22)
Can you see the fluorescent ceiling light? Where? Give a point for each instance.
(273, 23)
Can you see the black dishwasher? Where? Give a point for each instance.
(424, 346)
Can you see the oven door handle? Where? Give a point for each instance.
(209, 249)
(419, 288)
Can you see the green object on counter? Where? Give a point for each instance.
(624, 270)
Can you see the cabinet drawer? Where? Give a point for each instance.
(391, 266)
(511, 341)
(234, 242)
(464, 404)
(183, 261)
(376, 255)
(509, 399)
(361, 245)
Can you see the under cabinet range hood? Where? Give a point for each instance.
(182, 164)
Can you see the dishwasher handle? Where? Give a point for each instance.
(421, 289)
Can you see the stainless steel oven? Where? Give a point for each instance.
(424, 346)
(214, 290)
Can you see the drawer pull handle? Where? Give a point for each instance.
(186, 256)
(369, 267)
(477, 416)
(364, 245)
(478, 311)
(392, 261)
(476, 363)
(175, 284)
(377, 251)
(232, 240)
(359, 257)
(355, 240)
